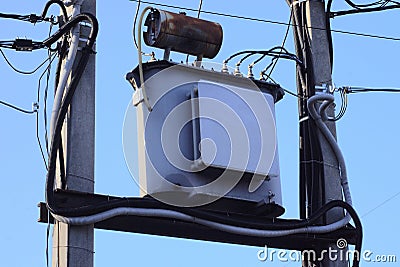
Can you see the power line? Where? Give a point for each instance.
(18, 108)
(283, 43)
(389, 38)
(353, 90)
(21, 71)
(358, 10)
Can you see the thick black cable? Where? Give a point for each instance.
(67, 27)
(329, 31)
(58, 2)
(56, 135)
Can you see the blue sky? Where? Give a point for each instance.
(368, 134)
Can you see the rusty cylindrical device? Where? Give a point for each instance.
(181, 33)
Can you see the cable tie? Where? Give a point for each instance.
(297, 2)
(35, 106)
(304, 119)
(33, 18)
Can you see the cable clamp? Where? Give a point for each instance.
(138, 97)
(325, 88)
(297, 2)
(304, 119)
(35, 106)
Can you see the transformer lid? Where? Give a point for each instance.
(153, 67)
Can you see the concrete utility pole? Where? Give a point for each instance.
(318, 40)
(316, 18)
(74, 245)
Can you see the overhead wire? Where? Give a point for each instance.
(363, 10)
(18, 108)
(45, 98)
(355, 89)
(198, 16)
(283, 44)
(272, 21)
(134, 23)
(22, 71)
(271, 52)
(37, 114)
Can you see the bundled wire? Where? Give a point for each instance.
(380, 5)
(271, 52)
(354, 90)
(345, 90)
(66, 101)
(33, 18)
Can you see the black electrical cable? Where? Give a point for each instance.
(21, 71)
(329, 31)
(292, 94)
(18, 108)
(37, 114)
(352, 90)
(62, 165)
(6, 44)
(271, 52)
(263, 52)
(343, 107)
(134, 24)
(46, 89)
(302, 114)
(62, 54)
(283, 43)
(58, 2)
(56, 135)
(28, 18)
(315, 177)
(35, 18)
(363, 10)
(271, 21)
(34, 45)
(66, 28)
(40, 143)
(198, 16)
(354, 5)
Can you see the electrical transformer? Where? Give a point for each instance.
(208, 139)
